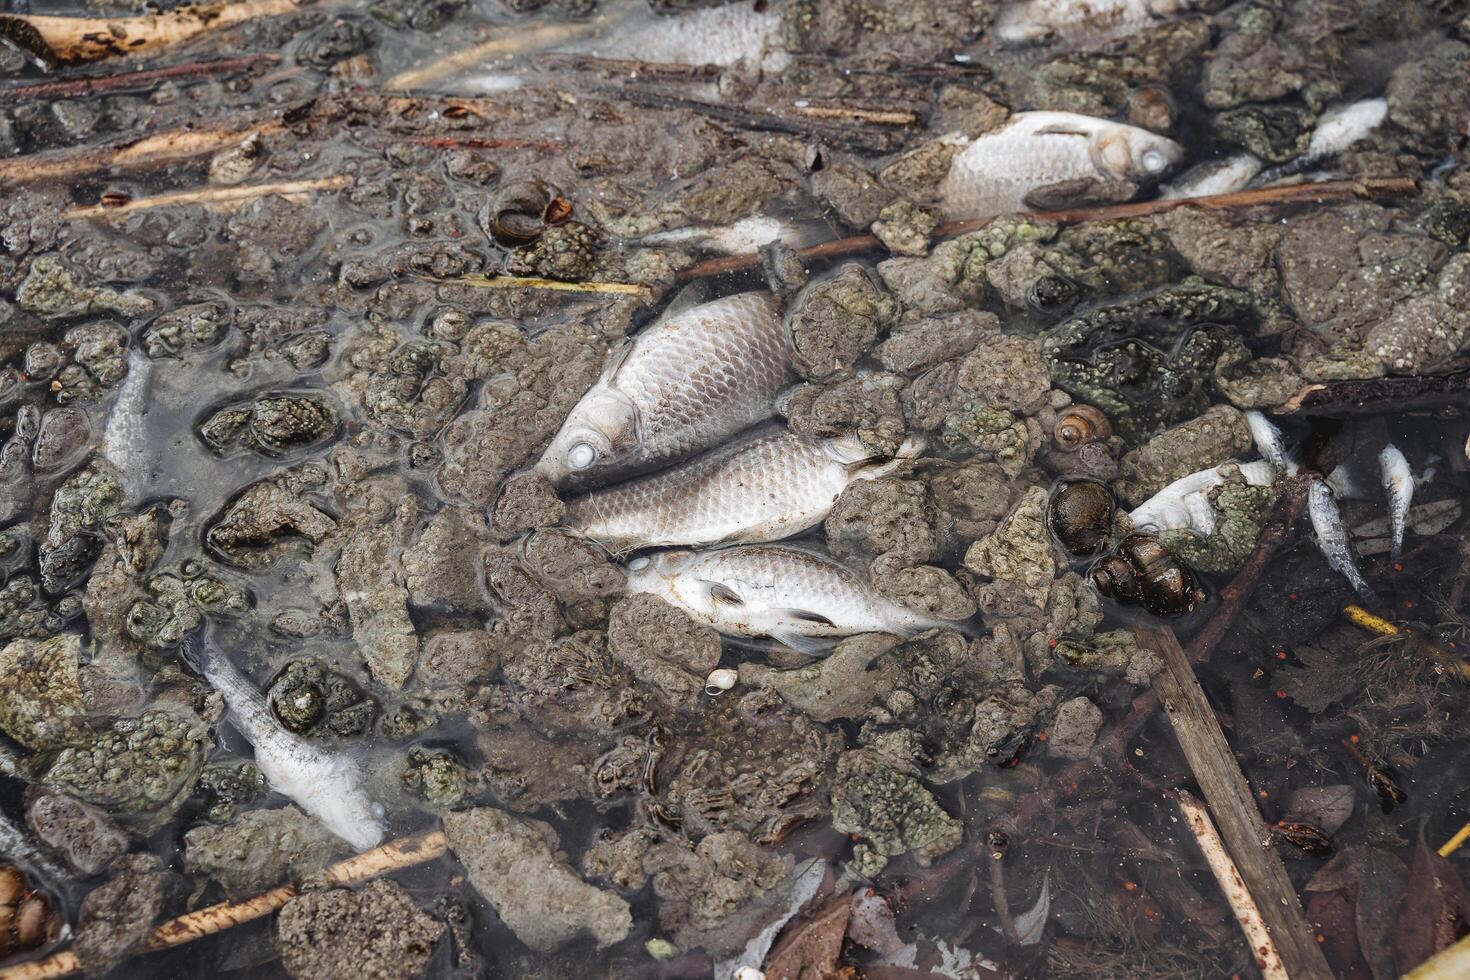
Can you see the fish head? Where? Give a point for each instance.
(597, 442)
(1129, 153)
(661, 574)
(346, 810)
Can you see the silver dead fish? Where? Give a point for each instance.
(765, 485)
(125, 441)
(742, 235)
(1043, 21)
(794, 595)
(326, 785)
(682, 385)
(1043, 160)
(1398, 484)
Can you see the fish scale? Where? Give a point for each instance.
(767, 484)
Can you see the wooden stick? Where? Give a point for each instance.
(1366, 620)
(1247, 913)
(1379, 396)
(1450, 963)
(1456, 842)
(212, 196)
(136, 79)
(67, 40)
(163, 148)
(393, 856)
(1334, 190)
(1257, 869)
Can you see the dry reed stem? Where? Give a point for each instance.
(537, 38)
(294, 190)
(163, 148)
(1268, 960)
(393, 856)
(556, 285)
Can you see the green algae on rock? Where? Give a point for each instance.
(891, 811)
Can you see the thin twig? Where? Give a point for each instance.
(137, 79)
(876, 117)
(72, 39)
(1364, 619)
(1456, 842)
(1268, 960)
(393, 856)
(212, 196)
(623, 66)
(1334, 190)
(162, 148)
(557, 285)
(998, 896)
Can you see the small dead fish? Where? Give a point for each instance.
(799, 597)
(739, 237)
(125, 441)
(1044, 21)
(766, 485)
(684, 384)
(1047, 160)
(1186, 504)
(326, 785)
(1223, 176)
(1332, 535)
(1337, 129)
(1398, 484)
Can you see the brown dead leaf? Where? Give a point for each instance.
(1324, 807)
(1435, 911)
(811, 947)
(1332, 916)
(1372, 879)
(872, 923)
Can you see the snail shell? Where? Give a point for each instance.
(1141, 572)
(1081, 515)
(719, 681)
(27, 918)
(1079, 425)
(519, 212)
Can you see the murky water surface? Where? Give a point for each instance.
(315, 367)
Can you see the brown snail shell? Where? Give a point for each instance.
(1141, 572)
(1151, 107)
(1079, 425)
(1081, 516)
(27, 917)
(519, 211)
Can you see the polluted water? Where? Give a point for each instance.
(689, 489)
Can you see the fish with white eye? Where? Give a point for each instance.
(1038, 161)
(691, 380)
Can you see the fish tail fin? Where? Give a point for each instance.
(194, 650)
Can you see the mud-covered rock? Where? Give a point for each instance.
(117, 916)
(270, 425)
(310, 699)
(1218, 434)
(891, 811)
(457, 658)
(85, 837)
(226, 787)
(375, 932)
(918, 345)
(835, 320)
(437, 777)
(662, 647)
(887, 517)
(1017, 555)
(868, 405)
(52, 292)
(516, 864)
(259, 850)
(41, 700)
(376, 599)
(840, 685)
(1074, 729)
(441, 567)
(527, 502)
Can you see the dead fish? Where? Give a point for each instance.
(766, 485)
(1337, 129)
(799, 597)
(1186, 504)
(684, 384)
(125, 441)
(738, 237)
(1223, 176)
(326, 785)
(1043, 21)
(1398, 485)
(1332, 536)
(1047, 160)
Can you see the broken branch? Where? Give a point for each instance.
(163, 148)
(212, 196)
(537, 38)
(1378, 396)
(1247, 913)
(517, 282)
(1333, 190)
(67, 40)
(393, 856)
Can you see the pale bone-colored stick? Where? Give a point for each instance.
(72, 39)
(213, 196)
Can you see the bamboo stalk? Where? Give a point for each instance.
(68, 40)
(1456, 842)
(393, 856)
(213, 196)
(1268, 960)
(1333, 190)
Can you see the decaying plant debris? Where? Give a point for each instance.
(293, 297)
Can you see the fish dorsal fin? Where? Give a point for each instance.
(804, 616)
(1062, 129)
(722, 595)
(615, 359)
(697, 293)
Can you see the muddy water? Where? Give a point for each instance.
(300, 410)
